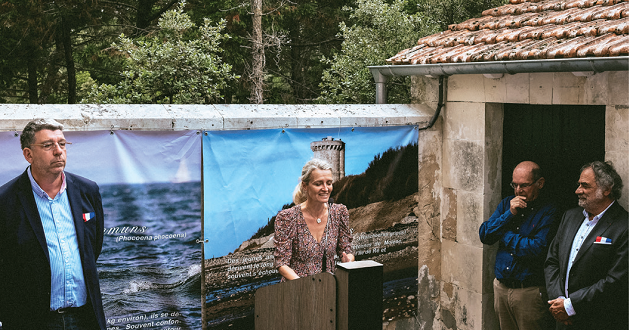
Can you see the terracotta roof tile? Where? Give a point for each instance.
(617, 26)
(529, 29)
(621, 47)
(561, 31)
(533, 50)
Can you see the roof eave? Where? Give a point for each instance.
(590, 64)
(594, 64)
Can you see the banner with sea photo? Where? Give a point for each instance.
(150, 182)
(13, 162)
(150, 266)
(249, 176)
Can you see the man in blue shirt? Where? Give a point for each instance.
(51, 233)
(524, 224)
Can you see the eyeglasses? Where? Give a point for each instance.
(523, 186)
(50, 145)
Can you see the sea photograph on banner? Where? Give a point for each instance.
(150, 184)
(249, 176)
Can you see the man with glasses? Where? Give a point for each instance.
(587, 265)
(51, 233)
(523, 224)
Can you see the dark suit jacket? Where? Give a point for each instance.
(24, 263)
(598, 282)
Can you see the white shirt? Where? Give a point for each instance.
(585, 229)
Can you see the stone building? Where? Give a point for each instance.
(334, 152)
(542, 80)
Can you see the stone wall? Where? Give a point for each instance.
(460, 169)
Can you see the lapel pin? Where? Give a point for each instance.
(88, 216)
(603, 240)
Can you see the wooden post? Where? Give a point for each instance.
(359, 295)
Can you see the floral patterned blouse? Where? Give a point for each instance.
(297, 248)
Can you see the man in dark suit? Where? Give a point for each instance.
(587, 265)
(51, 233)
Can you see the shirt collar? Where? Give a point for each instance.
(39, 191)
(599, 216)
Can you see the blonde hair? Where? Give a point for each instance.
(298, 194)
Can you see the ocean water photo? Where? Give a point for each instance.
(150, 265)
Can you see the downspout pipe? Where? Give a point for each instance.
(381, 87)
(439, 105)
(591, 64)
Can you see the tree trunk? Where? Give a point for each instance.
(146, 14)
(298, 64)
(32, 80)
(67, 49)
(258, 55)
(143, 16)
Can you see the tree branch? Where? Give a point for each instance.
(119, 4)
(315, 43)
(163, 10)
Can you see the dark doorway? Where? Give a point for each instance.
(560, 138)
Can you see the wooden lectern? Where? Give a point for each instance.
(350, 300)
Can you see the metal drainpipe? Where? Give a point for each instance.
(381, 87)
(381, 95)
(439, 105)
(591, 64)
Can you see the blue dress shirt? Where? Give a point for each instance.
(523, 240)
(67, 282)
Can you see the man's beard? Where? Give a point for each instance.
(587, 203)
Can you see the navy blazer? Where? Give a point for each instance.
(24, 262)
(598, 282)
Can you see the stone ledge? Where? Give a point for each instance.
(90, 117)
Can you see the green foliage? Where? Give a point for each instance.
(26, 33)
(298, 34)
(311, 31)
(177, 64)
(235, 49)
(380, 30)
(34, 66)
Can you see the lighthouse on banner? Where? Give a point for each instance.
(334, 152)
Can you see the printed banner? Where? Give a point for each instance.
(13, 162)
(150, 184)
(249, 176)
(151, 187)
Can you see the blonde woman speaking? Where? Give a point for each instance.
(310, 234)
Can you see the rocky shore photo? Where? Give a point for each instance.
(381, 201)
